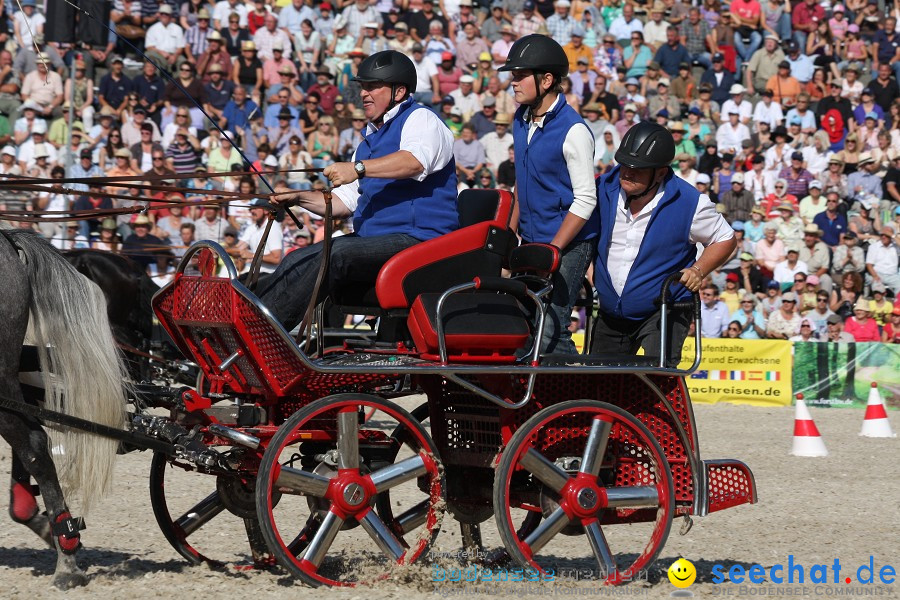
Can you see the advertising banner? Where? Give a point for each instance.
(740, 371)
(830, 374)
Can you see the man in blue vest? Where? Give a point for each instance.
(400, 189)
(555, 185)
(650, 225)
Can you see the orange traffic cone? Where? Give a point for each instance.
(807, 441)
(876, 423)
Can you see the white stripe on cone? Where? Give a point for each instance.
(807, 440)
(876, 424)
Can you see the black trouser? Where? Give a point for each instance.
(613, 335)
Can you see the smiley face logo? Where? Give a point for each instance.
(682, 573)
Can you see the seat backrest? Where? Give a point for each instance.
(477, 249)
(478, 206)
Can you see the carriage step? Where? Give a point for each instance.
(729, 483)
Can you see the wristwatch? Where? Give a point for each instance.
(360, 169)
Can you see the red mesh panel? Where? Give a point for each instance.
(460, 416)
(269, 348)
(202, 300)
(730, 483)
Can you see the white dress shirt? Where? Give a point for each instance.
(166, 38)
(253, 234)
(708, 227)
(578, 150)
(433, 151)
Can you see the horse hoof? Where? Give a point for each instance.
(67, 581)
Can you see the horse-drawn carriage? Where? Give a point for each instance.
(338, 483)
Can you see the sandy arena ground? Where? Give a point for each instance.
(843, 506)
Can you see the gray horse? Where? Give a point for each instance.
(82, 376)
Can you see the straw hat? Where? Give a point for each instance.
(861, 304)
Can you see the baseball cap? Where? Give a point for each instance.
(718, 57)
(746, 256)
(789, 297)
(737, 178)
(738, 225)
(833, 319)
(446, 56)
(703, 178)
(732, 277)
(528, 5)
(467, 79)
(796, 155)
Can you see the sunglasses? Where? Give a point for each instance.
(789, 302)
(799, 281)
(157, 158)
(746, 302)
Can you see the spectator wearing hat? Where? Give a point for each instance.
(785, 270)
(371, 40)
(325, 89)
(561, 24)
(882, 261)
(796, 176)
(219, 91)
(768, 111)
(771, 301)
(891, 332)
(448, 74)
(196, 35)
(490, 27)
(684, 86)
(763, 65)
(145, 248)
(683, 165)
(427, 77)
(664, 100)
(718, 79)
(28, 150)
(247, 70)
(738, 102)
(785, 322)
(183, 151)
(864, 186)
(500, 49)
(750, 318)
(483, 120)
(807, 332)
(861, 325)
(43, 88)
(738, 200)
(731, 134)
(654, 30)
(252, 236)
(867, 107)
(164, 41)
(817, 256)
(682, 144)
(351, 137)
(525, 22)
(465, 98)
(85, 167)
(784, 86)
(812, 204)
(880, 307)
(835, 331)
(577, 51)
(215, 54)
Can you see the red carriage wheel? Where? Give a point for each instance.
(197, 513)
(584, 468)
(320, 481)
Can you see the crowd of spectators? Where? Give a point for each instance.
(786, 113)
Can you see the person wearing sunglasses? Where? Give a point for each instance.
(784, 323)
(749, 318)
(400, 189)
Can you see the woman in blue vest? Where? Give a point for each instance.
(555, 186)
(650, 224)
(400, 188)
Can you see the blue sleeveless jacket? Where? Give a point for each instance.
(422, 209)
(543, 186)
(665, 249)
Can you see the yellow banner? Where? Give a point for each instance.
(754, 372)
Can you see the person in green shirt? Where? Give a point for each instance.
(682, 143)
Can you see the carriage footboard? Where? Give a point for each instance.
(729, 483)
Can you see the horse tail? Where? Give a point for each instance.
(82, 368)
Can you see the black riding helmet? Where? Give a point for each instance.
(540, 54)
(646, 146)
(388, 66)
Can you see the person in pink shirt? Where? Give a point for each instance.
(861, 325)
(838, 23)
(769, 250)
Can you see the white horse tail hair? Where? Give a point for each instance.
(82, 368)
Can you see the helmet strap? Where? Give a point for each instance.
(534, 106)
(650, 190)
(391, 104)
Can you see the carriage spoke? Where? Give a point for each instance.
(303, 482)
(300, 542)
(379, 532)
(348, 439)
(549, 474)
(600, 547)
(323, 538)
(398, 473)
(595, 447)
(632, 496)
(548, 528)
(201, 514)
(414, 517)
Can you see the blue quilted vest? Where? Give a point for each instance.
(543, 186)
(422, 209)
(665, 249)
